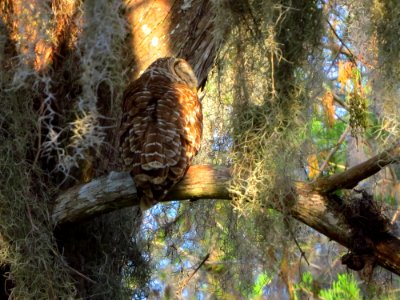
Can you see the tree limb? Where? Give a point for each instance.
(117, 190)
(309, 203)
(351, 177)
(185, 282)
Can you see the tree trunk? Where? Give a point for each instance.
(173, 28)
(157, 29)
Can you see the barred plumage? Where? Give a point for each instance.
(161, 127)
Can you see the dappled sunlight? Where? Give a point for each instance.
(32, 33)
(149, 23)
(38, 28)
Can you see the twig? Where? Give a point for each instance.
(395, 216)
(80, 274)
(339, 101)
(303, 254)
(333, 60)
(342, 42)
(351, 177)
(185, 282)
(333, 151)
(39, 141)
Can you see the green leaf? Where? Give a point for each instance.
(263, 279)
(345, 287)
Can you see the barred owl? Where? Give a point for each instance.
(161, 127)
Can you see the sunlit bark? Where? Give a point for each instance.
(173, 28)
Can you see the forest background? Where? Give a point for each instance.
(301, 136)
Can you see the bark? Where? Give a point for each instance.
(117, 190)
(173, 28)
(353, 176)
(310, 203)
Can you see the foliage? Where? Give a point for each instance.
(28, 244)
(270, 100)
(385, 16)
(262, 280)
(345, 287)
(287, 108)
(266, 66)
(277, 108)
(305, 286)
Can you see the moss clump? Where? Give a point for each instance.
(62, 75)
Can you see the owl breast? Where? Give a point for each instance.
(160, 131)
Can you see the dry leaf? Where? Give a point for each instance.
(313, 167)
(345, 72)
(329, 108)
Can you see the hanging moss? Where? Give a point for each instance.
(61, 79)
(265, 70)
(385, 19)
(269, 50)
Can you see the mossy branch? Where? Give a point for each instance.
(309, 203)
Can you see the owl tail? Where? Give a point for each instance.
(147, 199)
(150, 197)
(146, 203)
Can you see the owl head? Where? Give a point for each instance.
(177, 69)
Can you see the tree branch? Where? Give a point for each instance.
(333, 151)
(351, 177)
(185, 282)
(309, 203)
(117, 190)
(350, 54)
(101, 195)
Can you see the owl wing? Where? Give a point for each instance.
(160, 134)
(189, 126)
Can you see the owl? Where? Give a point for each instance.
(161, 127)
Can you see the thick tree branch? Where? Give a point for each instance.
(309, 203)
(351, 177)
(117, 190)
(101, 195)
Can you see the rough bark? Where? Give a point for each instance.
(117, 190)
(310, 203)
(173, 28)
(353, 176)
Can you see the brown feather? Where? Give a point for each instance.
(161, 127)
